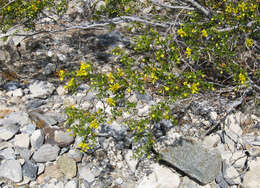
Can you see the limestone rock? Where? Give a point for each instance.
(67, 166)
(63, 138)
(37, 139)
(46, 153)
(193, 159)
(12, 170)
(252, 177)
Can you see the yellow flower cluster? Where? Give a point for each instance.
(110, 77)
(242, 78)
(61, 75)
(194, 87)
(249, 42)
(204, 33)
(114, 87)
(188, 52)
(181, 33)
(94, 124)
(70, 83)
(84, 146)
(153, 78)
(83, 69)
(111, 102)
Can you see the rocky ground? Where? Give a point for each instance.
(215, 144)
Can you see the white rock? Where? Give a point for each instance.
(41, 168)
(232, 174)
(41, 89)
(72, 184)
(211, 141)
(37, 139)
(213, 115)
(161, 177)
(64, 138)
(233, 123)
(7, 153)
(144, 110)
(22, 140)
(12, 170)
(46, 153)
(61, 90)
(252, 177)
(86, 174)
(8, 131)
(131, 162)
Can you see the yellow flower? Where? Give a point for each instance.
(249, 42)
(111, 102)
(242, 78)
(120, 72)
(94, 124)
(61, 74)
(181, 33)
(82, 72)
(83, 146)
(84, 66)
(153, 78)
(194, 88)
(204, 33)
(70, 83)
(166, 88)
(114, 87)
(110, 78)
(188, 52)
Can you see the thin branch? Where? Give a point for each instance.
(198, 6)
(7, 4)
(171, 7)
(97, 25)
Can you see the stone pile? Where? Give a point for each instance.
(37, 151)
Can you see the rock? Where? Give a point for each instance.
(8, 131)
(41, 168)
(131, 162)
(7, 153)
(41, 89)
(21, 118)
(71, 184)
(252, 177)
(30, 170)
(35, 103)
(46, 153)
(22, 140)
(231, 176)
(86, 174)
(193, 159)
(211, 141)
(63, 138)
(5, 145)
(41, 120)
(17, 92)
(37, 139)
(161, 177)
(49, 69)
(11, 169)
(75, 154)
(51, 171)
(67, 166)
(188, 183)
(24, 153)
(61, 90)
(28, 129)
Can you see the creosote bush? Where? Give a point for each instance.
(203, 53)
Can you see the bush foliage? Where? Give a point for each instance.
(199, 51)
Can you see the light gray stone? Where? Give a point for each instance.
(131, 162)
(22, 140)
(41, 89)
(193, 159)
(41, 120)
(21, 118)
(37, 139)
(17, 92)
(161, 177)
(46, 153)
(71, 184)
(75, 154)
(29, 170)
(8, 131)
(11, 169)
(252, 177)
(67, 166)
(24, 153)
(7, 153)
(86, 174)
(63, 138)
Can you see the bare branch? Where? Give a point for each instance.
(97, 25)
(7, 4)
(198, 6)
(171, 7)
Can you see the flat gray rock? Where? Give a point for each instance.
(193, 159)
(46, 153)
(11, 169)
(7, 131)
(37, 139)
(41, 89)
(67, 166)
(7, 153)
(63, 138)
(30, 170)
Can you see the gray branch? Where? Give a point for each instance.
(198, 6)
(171, 7)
